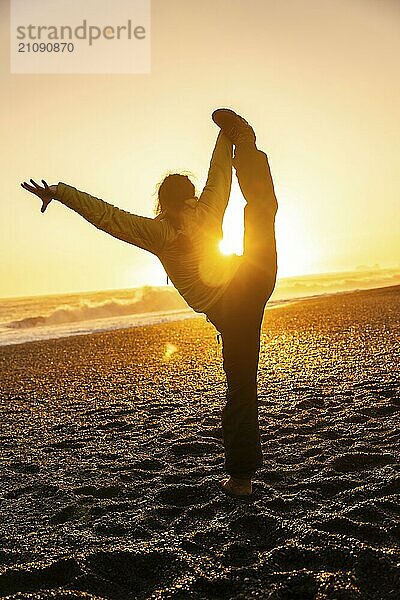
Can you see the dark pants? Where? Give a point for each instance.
(238, 314)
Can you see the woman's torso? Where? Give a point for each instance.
(192, 259)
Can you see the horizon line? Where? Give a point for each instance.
(361, 269)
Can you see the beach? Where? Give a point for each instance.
(111, 453)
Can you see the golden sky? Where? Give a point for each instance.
(318, 79)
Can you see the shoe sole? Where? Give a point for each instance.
(227, 128)
(228, 110)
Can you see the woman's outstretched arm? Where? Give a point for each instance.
(215, 195)
(140, 231)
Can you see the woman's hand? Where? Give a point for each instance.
(46, 193)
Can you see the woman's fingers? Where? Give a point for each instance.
(37, 186)
(28, 187)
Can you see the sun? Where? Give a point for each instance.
(226, 247)
(298, 251)
(233, 226)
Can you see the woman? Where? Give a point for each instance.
(231, 290)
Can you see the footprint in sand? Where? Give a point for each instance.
(326, 556)
(365, 532)
(24, 467)
(213, 587)
(385, 410)
(66, 444)
(263, 528)
(299, 585)
(25, 579)
(239, 554)
(316, 402)
(376, 573)
(148, 464)
(183, 495)
(330, 486)
(358, 461)
(195, 448)
(357, 418)
(106, 509)
(365, 512)
(119, 528)
(20, 491)
(109, 456)
(107, 491)
(72, 512)
(136, 574)
(390, 487)
(40, 490)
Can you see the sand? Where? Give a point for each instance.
(111, 454)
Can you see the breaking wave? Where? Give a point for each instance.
(152, 300)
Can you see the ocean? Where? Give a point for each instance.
(34, 318)
(57, 316)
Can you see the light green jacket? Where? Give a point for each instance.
(190, 255)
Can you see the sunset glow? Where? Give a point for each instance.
(170, 349)
(318, 80)
(233, 225)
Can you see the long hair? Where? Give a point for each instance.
(172, 193)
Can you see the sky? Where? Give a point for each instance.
(319, 81)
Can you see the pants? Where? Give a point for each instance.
(238, 314)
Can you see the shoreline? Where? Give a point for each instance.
(181, 313)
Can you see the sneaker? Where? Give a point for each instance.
(235, 127)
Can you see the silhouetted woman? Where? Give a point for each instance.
(231, 290)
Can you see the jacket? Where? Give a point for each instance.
(198, 270)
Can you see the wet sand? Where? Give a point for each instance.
(111, 452)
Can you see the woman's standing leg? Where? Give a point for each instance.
(241, 345)
(238, 318)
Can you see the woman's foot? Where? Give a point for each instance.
(236, 487)
(234, 126)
